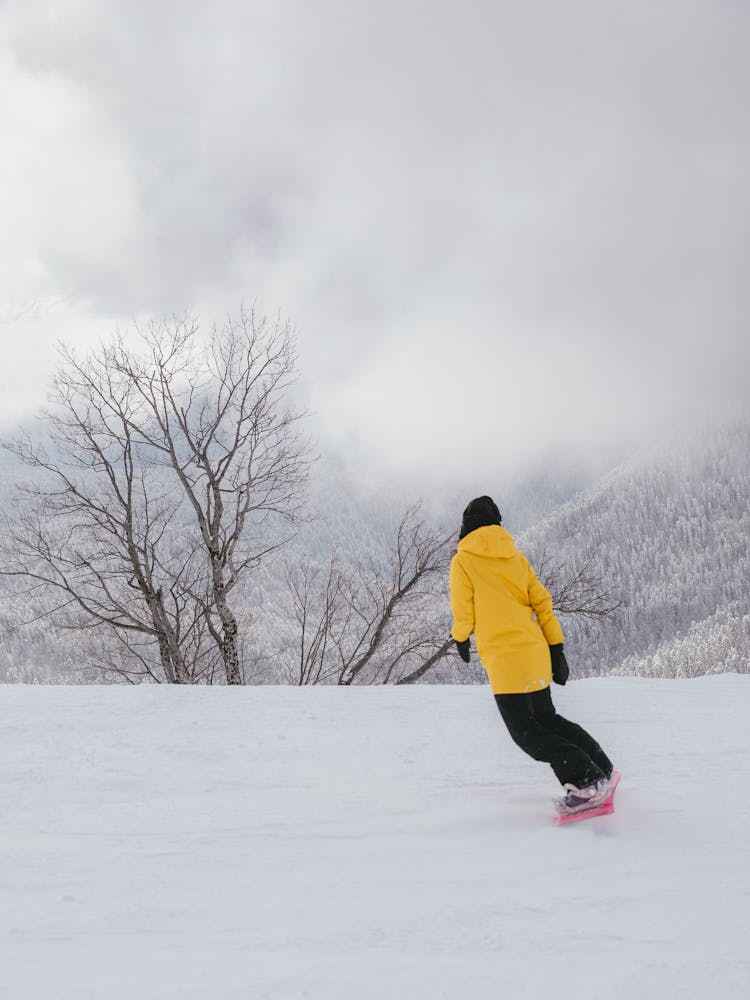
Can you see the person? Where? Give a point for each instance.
(495, 594)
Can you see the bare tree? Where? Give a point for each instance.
(322, 609)
(374, 624)
(162, 468)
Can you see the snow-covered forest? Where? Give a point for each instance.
(666, 533)
(670, 530)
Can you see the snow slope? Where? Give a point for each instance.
(206, 844)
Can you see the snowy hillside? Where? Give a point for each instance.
(225, 844)
(670, 532)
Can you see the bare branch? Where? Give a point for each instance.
(578, 592)
(374, 624)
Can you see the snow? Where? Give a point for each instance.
(369, 843)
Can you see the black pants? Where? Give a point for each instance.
(540, 732)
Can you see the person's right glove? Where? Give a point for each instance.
(560, 669)
(463, 649)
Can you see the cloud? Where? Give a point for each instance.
(507, 232)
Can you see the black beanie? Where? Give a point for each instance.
(478, 514)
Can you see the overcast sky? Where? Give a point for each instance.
(509, 234)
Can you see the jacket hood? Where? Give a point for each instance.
(492, 541)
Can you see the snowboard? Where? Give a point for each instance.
(603, 809)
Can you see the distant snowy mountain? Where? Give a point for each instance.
(670, 531)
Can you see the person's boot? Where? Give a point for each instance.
(577, 799)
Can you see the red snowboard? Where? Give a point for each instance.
(603, 809)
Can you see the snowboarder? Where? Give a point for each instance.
(496, 595)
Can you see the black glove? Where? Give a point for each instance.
(463, 649)
(560, 669)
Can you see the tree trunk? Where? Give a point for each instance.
(229, 648)
(229, 628)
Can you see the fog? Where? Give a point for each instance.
(513, 238)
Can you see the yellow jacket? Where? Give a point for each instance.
(495, 594)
